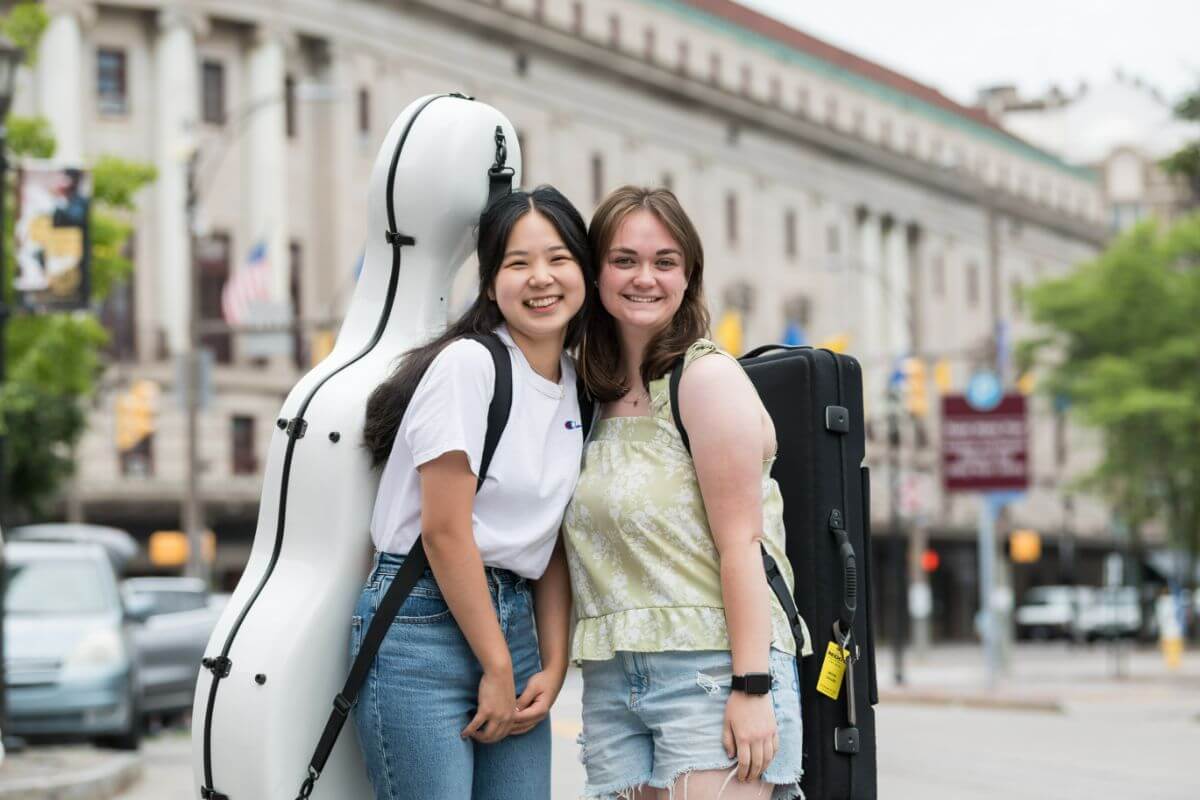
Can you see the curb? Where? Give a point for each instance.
(99, 781)
(1046, 705)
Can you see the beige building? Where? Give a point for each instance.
(832, 193)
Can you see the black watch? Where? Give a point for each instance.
(751, 683)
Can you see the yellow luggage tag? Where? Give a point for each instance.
(832, 671)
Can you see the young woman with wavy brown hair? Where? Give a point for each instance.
(689, 673)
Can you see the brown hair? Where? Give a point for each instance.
(600, 352)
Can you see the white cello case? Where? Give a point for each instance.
(286, 629)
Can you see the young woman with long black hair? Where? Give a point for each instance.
(456, 703)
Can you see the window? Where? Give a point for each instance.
(138, 461)
(682, 66)
(212, 259)
(614, 31)
(973, 284)
(577, 17)
(939, 275)
(212, 92)
(244, 460)
(296, 270)
(775, 92)
(539, 10)
(364, 111)
(747, 79)
(597, 177)
(910, 141)
(649, 44)
(289, 105)
(860, 121)
(731, 219)
(117, 314)
(802, 101)
(111, 84)
(797, 310)
(831, 109)
(833, 239)
(790, 244)
(885, 133)
(714, 68)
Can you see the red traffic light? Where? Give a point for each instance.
(930, 561)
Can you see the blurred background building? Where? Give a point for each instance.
(1122, 129)
(841, 203)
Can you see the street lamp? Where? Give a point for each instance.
(10, 58)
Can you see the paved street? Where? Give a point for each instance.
(1135, 738)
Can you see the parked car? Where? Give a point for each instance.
(1115, 613)
(179, 616)
(69, 654)
(1052, 612)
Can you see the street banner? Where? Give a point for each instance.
(984, 450)
(51, 237)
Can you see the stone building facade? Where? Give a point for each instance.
(831, 193)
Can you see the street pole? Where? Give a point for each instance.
(193, 510)
(899, 547)
(3, 435)
(988, 511)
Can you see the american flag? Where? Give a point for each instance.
(247, 286)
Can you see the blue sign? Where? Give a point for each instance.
(984, 391)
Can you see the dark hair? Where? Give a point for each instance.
(389, 400)
(600, 353)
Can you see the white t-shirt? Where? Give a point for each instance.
(519, 509)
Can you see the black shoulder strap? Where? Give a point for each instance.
(587, 407)
(774, 576)
(411, 571)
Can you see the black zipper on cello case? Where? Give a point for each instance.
(295, 429)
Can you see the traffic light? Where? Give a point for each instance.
(136, 412)
(943, 376)
(930, 560)
(1024, 546)
(916, 387)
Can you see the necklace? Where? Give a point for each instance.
(638, 398)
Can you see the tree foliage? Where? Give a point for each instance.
(1186, 161)
(54, 359)
(1124, 347)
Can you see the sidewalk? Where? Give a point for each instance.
(67, 773)
(1041, 677)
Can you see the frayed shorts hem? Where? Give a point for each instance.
(783, 788)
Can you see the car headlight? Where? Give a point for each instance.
(99, 648)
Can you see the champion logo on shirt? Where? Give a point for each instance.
(572, 425)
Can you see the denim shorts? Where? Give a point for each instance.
(649, 718)
(423, 688)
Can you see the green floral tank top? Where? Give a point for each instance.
(645, 572)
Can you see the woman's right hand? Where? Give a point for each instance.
(497, 706)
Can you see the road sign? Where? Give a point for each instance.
(984, 450)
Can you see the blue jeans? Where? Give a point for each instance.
(423, 689)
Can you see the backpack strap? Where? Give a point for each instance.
(587, 407)
(774, 576)
(415, 564)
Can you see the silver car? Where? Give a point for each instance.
(68, 649)
(179, 616)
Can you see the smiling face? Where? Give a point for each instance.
(540, 285)
(642, 277)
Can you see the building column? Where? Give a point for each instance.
(60, 75)
(177, 113)
(337, 137)
(267, 154)
(872, 350)
(895, 279)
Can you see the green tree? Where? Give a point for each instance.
(1123, 345)
(54, 359)
(1186, 161)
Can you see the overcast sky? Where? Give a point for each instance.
(960, 46)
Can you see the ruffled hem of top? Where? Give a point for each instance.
(657, 630)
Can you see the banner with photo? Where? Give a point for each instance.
(51, 237)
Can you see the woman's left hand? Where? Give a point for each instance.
(534, 703)
(750, 733)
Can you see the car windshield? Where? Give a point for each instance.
(1046, 597)
(48, 587)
